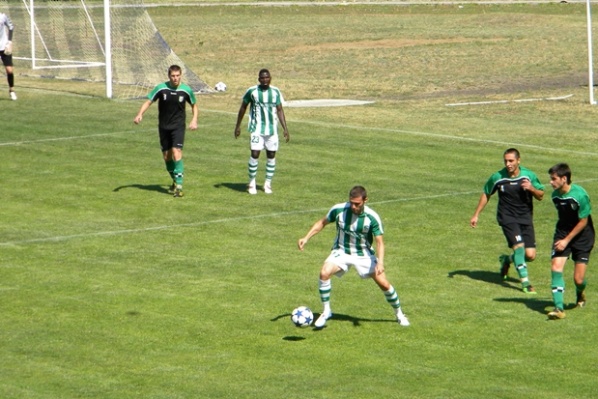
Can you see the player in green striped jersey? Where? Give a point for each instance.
(517, 187)
(357, 227)
(172, 97)
(573, 236)
(264, 115)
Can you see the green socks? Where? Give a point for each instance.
(558, 289)
(170, 168)
(392, 297)
(520, 266)
(178, 172)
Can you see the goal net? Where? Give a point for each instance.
(65, 39)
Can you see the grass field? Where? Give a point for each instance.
(111, 288)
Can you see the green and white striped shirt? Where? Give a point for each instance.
(263, 118)
(355, 233)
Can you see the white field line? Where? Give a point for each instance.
(222, 221)
(521, 100)
(209, 222)
(333, 125)
(87, 136)
(451, 137)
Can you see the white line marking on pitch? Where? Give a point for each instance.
(224, 220)
(449, 137)
(521, 100)
(87, 136)
(337, 125)
(208, 222)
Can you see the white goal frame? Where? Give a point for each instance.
(58, 63)
(590, 55)
(114, 43)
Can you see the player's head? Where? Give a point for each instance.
(264, 77)
(560, 174)
(358, 196)
(513, 151)
(511, 158)
(174, 75)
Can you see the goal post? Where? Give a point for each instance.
(590, 52)
(110, 42)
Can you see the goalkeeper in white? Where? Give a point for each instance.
(6, 30)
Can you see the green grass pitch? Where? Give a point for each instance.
(112, 289)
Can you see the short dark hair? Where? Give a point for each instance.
(263, 70)
(358, 191)
(561, 169)
(174, 68)
(512, 151)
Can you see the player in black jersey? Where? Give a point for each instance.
(517, 187)
(172, 97)
(573, 236)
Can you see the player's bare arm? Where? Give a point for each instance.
(561, 244)
(142, 110)
(315, 229)
(380, 254)
(283, 123)
(528, 186)
(240, 116)
(473, 222)
(195, 110)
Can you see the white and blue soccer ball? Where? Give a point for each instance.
(220, 86)
(302, 316)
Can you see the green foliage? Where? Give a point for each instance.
(111, 288)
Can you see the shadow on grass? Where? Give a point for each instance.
(537, 305)
(241, 187)
(487, 277)
(148, 187)
(356, 321)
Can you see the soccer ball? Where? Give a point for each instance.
(220, 86)
(302, 316)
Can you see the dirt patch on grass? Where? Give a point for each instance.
(386, 43)
(562, 84)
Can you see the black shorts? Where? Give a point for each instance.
(579, 248)
(172, 138)
(6, 59)
(519, 233)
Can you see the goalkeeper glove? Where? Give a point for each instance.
(8, 48)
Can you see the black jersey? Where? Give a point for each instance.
(515, 205)
(572, 207)
(171, 104)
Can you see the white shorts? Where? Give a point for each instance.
(259, 142)
(364, 265)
